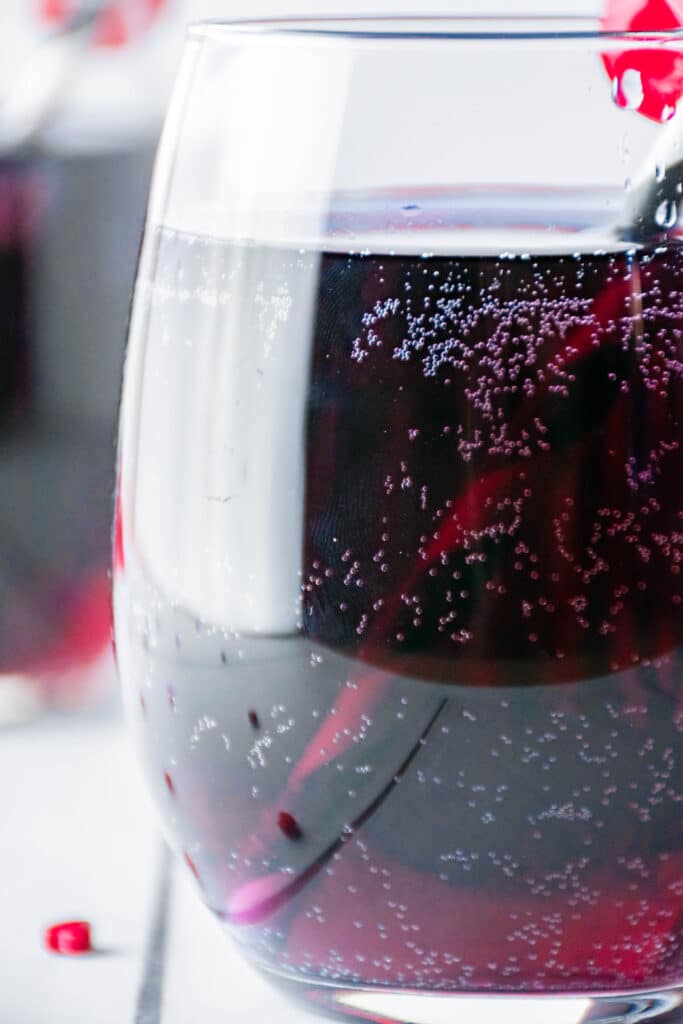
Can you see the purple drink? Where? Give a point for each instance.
(453, 764)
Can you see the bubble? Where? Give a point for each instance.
(666, 214)
(660, 172)
(628, 91)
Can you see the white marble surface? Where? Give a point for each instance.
(78, 840)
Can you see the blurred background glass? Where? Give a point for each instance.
(77, 146)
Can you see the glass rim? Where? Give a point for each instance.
(424, 27)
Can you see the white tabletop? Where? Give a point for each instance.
(78, 840)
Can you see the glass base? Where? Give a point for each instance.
(409, 1006)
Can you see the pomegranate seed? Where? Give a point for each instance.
(68, 938)
(169, 783)
(254, 719)
(288, 825)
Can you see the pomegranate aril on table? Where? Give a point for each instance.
(69, 938)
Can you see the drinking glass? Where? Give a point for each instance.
(400, 516)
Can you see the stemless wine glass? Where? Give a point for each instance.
(400, 513)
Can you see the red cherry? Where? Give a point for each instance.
(648, 79)
(69, 938)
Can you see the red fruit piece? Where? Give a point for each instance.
(68, 938)
(288, 825)
(647, 79)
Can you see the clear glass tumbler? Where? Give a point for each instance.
(400, 513)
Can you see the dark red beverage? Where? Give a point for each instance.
(56, 473)
(458, 768)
